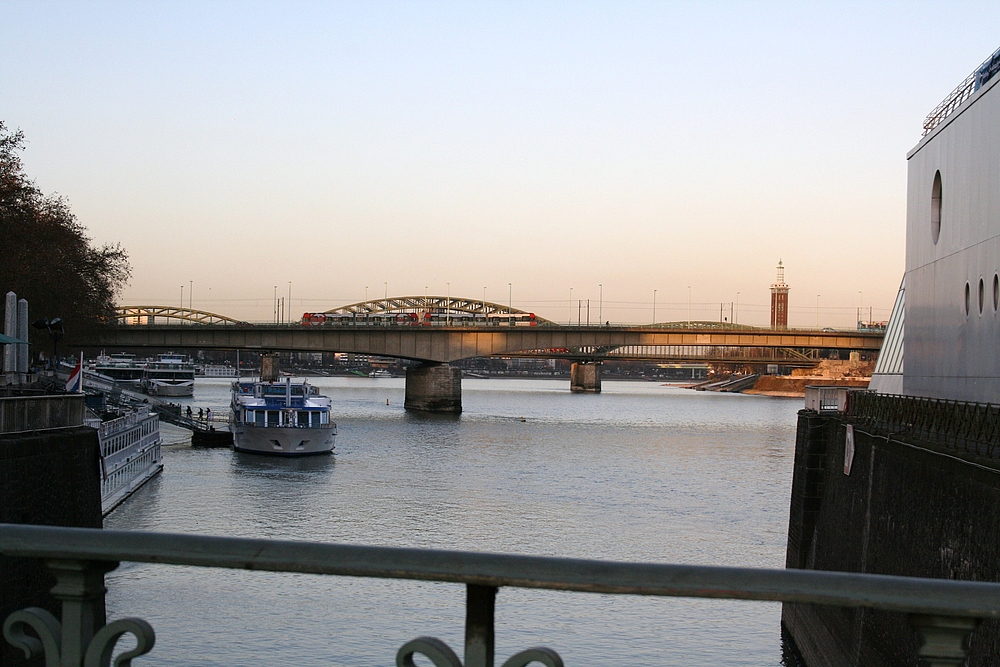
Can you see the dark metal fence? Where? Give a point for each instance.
(40, 413)
(971, 428)
(944, 612)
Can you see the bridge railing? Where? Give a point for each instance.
(944, 612)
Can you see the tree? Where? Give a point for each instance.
(46, 256)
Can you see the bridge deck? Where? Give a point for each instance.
(445, 344)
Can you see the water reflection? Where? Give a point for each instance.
(641, 472)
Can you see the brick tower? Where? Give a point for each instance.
(779, 300)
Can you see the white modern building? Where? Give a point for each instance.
(952, 280)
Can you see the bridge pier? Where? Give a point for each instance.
(585, 377)
(433, 388)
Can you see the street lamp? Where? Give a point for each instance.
(54, 327)
(737, 313)
(654, 306)
(275, 304)
(182, 296)
(600, 307)
(190, 295)
(689, 305)
(510, 304)
(817, 311)
(570, 306)
(288, 315)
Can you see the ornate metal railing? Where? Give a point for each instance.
(972, 428)
(40, 413)
(944, 612)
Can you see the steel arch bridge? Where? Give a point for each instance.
(150, 315)
(430, 304)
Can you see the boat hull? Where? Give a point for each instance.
(283, 441)
(157, 389)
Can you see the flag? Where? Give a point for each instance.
(75, 383)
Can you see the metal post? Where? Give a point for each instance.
(80, 588)
(817, 311)
(736, 314)
(689, 304)
(588, 312)
(945, 639)
(288, 316)
(479, 609)
(510, 304)
(182, 296)
(600, 307)
(570, 306)
(191, 294)
(654, 306)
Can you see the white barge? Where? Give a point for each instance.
(130, 454)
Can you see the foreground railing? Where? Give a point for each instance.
(943, 612)
(971, 428)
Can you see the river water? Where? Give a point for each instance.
(642, 472)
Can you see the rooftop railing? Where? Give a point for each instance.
(40, 413)
(964, 91)
(943, 612)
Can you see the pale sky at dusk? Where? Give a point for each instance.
(549, 145)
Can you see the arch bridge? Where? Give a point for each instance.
(436, 346)
(430, 304)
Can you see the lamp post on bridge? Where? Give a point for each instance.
(817, 311)
(510, 304)
(600, 307)
(570, 320)
(190, 295)
(736, 314)
(182, 296)
(654, 306)
(689, 305)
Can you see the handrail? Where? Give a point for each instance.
(906, 594)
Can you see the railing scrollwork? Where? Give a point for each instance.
(74, 641)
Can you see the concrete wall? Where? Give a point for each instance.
(49, 479)
(950, 354)
(902, 510)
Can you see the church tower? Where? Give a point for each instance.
(779, 300)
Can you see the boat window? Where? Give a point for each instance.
(316, 419)
(324, 418)
(259, 417)
(303, 418)
(273, 417)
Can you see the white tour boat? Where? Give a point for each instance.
(130, 454)
(281, 418)
(170, 375)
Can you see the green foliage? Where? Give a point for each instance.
(46, 255)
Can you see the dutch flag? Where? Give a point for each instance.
(75, 383)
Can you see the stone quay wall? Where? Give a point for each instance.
(904, 509)
(47, 478)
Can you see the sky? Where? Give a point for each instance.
(548, 152)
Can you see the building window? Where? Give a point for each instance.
(967, 296)
(982, 295)
(936, 207)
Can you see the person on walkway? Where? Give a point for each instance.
(209, 415)
(201, 414)
(189, 412)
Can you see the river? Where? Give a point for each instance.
(642, 472)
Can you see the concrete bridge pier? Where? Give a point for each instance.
(434, 387)
(585, 377)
